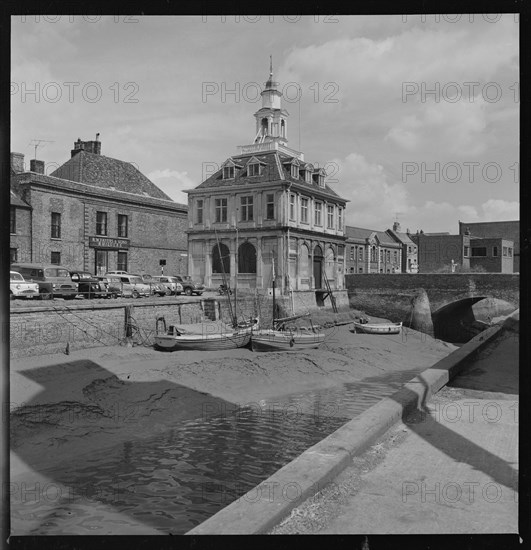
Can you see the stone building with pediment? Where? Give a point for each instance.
(267, 210)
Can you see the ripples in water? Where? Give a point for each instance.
(175, 480)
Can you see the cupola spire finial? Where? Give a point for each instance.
(271, 66)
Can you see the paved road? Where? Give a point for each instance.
(451, 469)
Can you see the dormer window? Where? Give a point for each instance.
(293, 165)
(253, 169)
(228, 172)
(295, 171)
(307, 176)
(319, 177)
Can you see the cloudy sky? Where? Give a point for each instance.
(414, 118)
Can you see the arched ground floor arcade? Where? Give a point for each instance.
(306, 264)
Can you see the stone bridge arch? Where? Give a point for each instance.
(461, 319)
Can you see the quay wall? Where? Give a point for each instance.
(48, 329)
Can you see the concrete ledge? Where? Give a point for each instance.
(260, 509)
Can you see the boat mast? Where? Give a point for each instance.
(274, 285)
(232, 315)
(237, 269)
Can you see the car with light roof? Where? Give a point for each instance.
(155, 286)
(54, 280)
(133, 285)
(19, 288)
(170, 283)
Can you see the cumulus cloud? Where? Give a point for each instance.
(500, 210)
(374, 200)
(457, 129)
(173, 182)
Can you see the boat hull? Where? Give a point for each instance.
(278, 340)
(206, 342)
(380, 328)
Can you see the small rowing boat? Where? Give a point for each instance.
(286, 340)
(377, 328)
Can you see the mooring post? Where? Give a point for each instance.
(128, 324)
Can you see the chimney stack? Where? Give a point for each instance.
(37, 166)
(88, 146)
(396, 227)
(17, 162)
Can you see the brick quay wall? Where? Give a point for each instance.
(49, 328)
(52, 327)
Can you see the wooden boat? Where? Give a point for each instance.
(377, 328)
(285, 340)
(205, 336)
(280, 337)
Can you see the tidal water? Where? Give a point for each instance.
(176, 479)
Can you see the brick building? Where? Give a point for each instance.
(509, 230)
(440, 251)
(95, 213)
(494, 255)
(445, 252)
(370, 251)
(265, 206)
(410, 260)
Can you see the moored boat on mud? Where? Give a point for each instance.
(286, 340)
(205, 336)
(282, 337)
(377, 328)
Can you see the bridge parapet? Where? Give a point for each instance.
(390, 295)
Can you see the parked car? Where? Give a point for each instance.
(113, 285)
(19, 288)
(53, 280)
(170, 283)
(117, 273)
(190, 287)
(88, 285)
(132, 285)
(156, 288)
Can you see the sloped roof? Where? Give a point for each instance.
(404, 238)
(358, 233)
(32, 178)
(273, 170)
(362, 234)
(108, 173)
(15, 198)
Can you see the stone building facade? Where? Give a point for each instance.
(267, 211)
(370, 251)
(95, 213)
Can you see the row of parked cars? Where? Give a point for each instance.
(46, 281)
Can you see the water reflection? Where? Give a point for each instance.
(175, 480)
